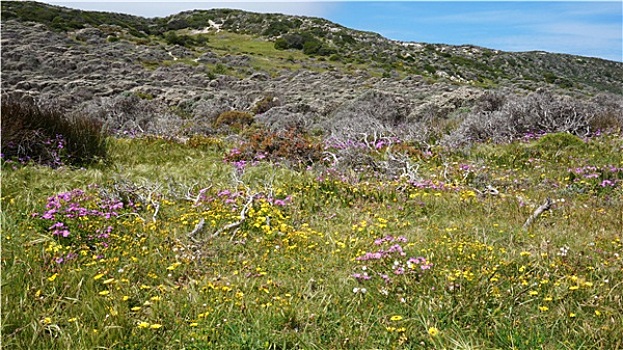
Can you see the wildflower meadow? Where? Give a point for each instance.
(212, 243)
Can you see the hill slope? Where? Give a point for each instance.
(176, 75)
(466, 64)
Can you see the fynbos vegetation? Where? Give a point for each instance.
(211, 180)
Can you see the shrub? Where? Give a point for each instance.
(265, 104)
(127, 114)
(234, 120)
(291, 41)
(292, 145)
(204, 142)
(560, 141)
(280, 27)
(373, 110)
(46, 136)
(220, 68)
(505, 118)
(172, 38)
(304, 41)
(312, 47)
(608, 113)
(335, 58)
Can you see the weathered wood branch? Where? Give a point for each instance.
(198, 228)
(547, 205)
(243, 217)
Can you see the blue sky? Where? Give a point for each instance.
(581, 28)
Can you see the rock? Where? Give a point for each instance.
(90, 35)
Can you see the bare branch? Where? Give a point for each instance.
(545, 206)
(243, 217)
(198, 228)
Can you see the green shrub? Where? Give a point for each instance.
(172, 38)
(305, 41)
(46, 136)
(281, 27)
(311, 47)
(335, 58)
(560, 141)
(220, 68)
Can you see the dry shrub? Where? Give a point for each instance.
(292, 145)
(235, 121)
(507, 118)
(47, 136)
(265, 104)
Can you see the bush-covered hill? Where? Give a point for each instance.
(175, 76)
(321, 38)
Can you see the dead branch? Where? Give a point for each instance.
(198, 228)
(157, 209)
(243, 217)
(409, 170)
(545, 206)
(196, 199)
(327, 154)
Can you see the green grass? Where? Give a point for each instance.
(283, 278)
(263, 56)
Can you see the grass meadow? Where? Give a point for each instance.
(170, 246)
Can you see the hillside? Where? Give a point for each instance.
(465, 64)
(189, 68)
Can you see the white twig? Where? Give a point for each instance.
(243, 217)
(545, 206)
(157, 206)
(198, 228)
(197, 198)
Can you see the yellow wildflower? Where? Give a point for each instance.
(433, 331)
(173, 266)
